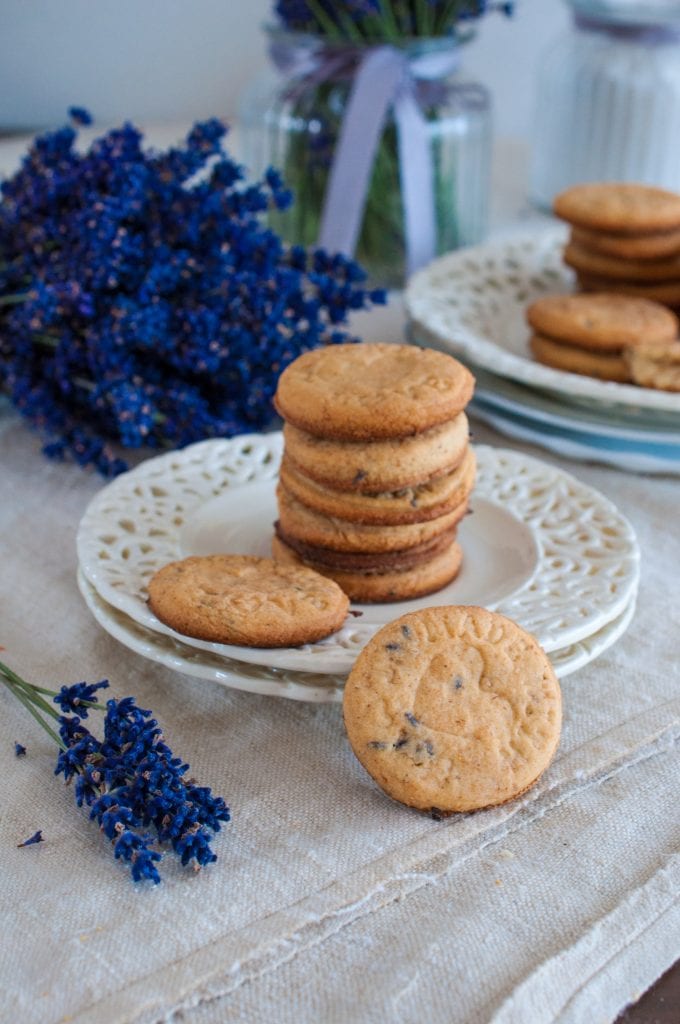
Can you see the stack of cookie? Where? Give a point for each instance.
(377, 470)
(624, 238)
(595, 334)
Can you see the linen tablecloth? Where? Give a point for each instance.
(328, 901)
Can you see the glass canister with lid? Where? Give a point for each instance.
(608, 98)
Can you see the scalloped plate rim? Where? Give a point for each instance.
(339, 660)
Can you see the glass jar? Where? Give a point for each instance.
(608, 98)
(292, 120)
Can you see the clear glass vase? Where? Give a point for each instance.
(608, 98)
(292, 119)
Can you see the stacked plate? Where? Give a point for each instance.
(540, 547)
(472, 304)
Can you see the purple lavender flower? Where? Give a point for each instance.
(35, 838)
(143, 300)
(132, 781)
(79, 115)
(78, 697)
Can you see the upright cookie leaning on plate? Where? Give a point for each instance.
(376, 461)
(453, 709)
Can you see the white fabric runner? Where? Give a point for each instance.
(328, 901)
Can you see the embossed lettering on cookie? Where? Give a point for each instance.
(371, 392)
(453, 709)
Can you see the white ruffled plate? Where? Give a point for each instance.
(271, 682)
(541, 547)
(472, 304)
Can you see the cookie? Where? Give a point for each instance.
(619, 208)
(311, 527)
(667, 292)
(378, 465)
(408, 505)
(389, 585)
(605, 365)
(241, 599)
(630, 247)
(588, 262)
(323, 559)
(655, 366)
(453, 709)
(602, 321)
(370, 392)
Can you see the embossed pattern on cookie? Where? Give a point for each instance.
(372, 391)
(243, 599)
(453, 709)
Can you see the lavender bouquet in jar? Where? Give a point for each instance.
(384, 143)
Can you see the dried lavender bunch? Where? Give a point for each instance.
(143, 300)
(133, 784)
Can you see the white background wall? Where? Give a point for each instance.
(177, 60)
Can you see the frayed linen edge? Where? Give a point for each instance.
(311, 926)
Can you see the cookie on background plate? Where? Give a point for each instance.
(453, 709)
(624, 208)
(581, 259)
(601, 321)
(629, 247)
(246, 600)
(367, 392)
(666, 292)
(655, 365)
(574, 359)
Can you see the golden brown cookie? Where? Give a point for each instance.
(630, 247)
(655, 366)
(322, 559)
(603, 321)
(311, 527)
(619, 208)
(241, 599)
(666, 292)
(453, 709)
(378, 465)
(604, 365)
(588, 262)
(372, 391)
(389, 508)
(382, 587)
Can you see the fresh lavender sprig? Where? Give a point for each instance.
(134, 786)
(143, 299)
